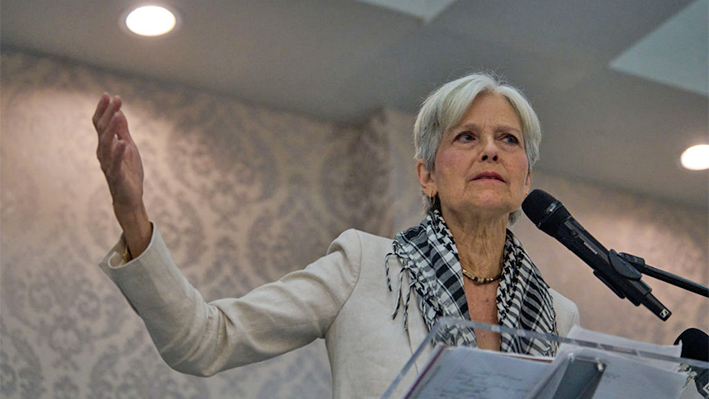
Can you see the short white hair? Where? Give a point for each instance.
(446, 106)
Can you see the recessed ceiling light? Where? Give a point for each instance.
(151, 21)
(696, 157)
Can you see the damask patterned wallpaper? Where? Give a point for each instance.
(242, 196)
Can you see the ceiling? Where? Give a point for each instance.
(341, 60)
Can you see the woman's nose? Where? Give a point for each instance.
(490, 151)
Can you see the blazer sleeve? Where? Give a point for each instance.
(201, 338)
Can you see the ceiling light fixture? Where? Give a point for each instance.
(151, 21)
(696, 157)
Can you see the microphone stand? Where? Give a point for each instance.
(639, 264)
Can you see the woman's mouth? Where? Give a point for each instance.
(489, 176)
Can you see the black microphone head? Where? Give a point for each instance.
(695, 344)
(545, 211)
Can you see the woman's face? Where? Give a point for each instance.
(481, 167)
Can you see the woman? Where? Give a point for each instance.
(476, 141)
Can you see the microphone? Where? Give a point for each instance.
(695, 345)
(549, 215)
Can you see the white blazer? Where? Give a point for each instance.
(342, 297)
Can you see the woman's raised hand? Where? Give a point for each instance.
(121, 164)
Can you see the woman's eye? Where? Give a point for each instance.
(465, 137)
(511, 139)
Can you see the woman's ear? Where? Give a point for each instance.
(426, 179)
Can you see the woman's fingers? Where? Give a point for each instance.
(114, 141)
(106, 140)
(119, 126)
(104, 117)
(100, 108)
(111, 125)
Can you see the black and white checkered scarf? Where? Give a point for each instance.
(429, 255)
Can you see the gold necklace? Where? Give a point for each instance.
(480, 280)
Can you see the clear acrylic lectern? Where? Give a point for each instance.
(587, 365)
